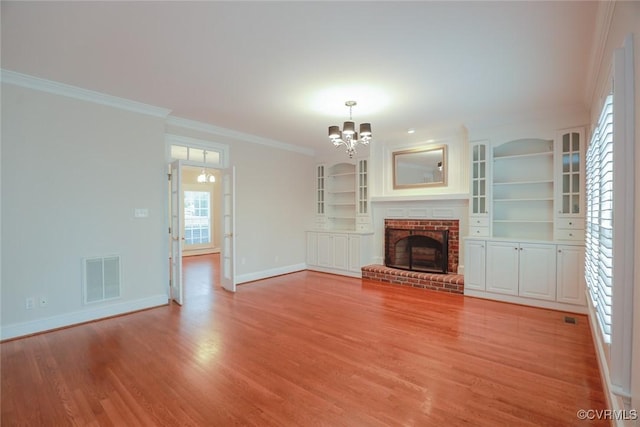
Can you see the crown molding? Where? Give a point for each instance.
(604, 19)
(228, 133)
(36, 83)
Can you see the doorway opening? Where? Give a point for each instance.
(200, 211)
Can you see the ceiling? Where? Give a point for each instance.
(283, 70)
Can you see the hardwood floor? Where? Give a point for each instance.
(307, 349)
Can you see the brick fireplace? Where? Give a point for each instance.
(447, 281)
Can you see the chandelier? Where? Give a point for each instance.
(348, 136)
(205, 176)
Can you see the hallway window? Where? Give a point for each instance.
(197, 217)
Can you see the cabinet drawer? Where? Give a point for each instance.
(479, 231)
(570, 223)
(363, 220)
(569, 234)
(478, 222)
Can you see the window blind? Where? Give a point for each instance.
(599, 223)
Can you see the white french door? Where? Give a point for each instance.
(227, 260)
(177, 210)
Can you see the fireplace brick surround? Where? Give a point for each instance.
(450, 282)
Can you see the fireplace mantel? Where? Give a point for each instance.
(420, 198)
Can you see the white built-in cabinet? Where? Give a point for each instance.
(548, 275)
(524, 269)
(526, 221)
(341, 240)
(338, 252)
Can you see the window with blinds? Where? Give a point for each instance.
(599, 224)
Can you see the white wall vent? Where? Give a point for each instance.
(101, 276)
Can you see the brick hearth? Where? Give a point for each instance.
(453, 283)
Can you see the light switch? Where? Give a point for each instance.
(141, 212)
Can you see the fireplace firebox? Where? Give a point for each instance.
(417, 250)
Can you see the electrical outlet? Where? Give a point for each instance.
(30, 303)
(43, 301)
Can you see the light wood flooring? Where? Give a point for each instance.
(306, 349)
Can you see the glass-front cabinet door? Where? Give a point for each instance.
(320, 180)
(479, 179)
(571, 188)
(569, 184)
(479, 224)
(363, 188)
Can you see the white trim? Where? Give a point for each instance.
(74, 318)
(336, 271)
(623, 218)
(223, 132)
(272, 272)
(464, 197)
(614, 402)
(36, 83)
(223, 149)
(531, 302)
(603, 25)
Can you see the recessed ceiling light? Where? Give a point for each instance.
(412, 130)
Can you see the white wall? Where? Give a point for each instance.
(615, 22)
(67, 172)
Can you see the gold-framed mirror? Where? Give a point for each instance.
(420, 167)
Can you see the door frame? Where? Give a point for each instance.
(223, 151)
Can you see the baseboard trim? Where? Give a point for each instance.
(614, 402)
(532, 302)
(272, 272)
(69, 319)
(356, 274)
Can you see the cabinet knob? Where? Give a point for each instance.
(559, 251)
(570, 223)
(515, 249)
(571, 234)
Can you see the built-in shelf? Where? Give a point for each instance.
(342, 196)
(545, 199)
(524, 156)
(523, 189)
(542, 181)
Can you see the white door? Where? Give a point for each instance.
(502, 268)
(570, 275)
(340, 251)
(228, 264)
(324, 249)
(537, 276)
(176, 232)
(474, 265)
